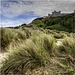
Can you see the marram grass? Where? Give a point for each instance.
(8, 36)
(35, 48)
(29, 54)
(68, 46)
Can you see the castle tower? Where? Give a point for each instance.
(59, 12)
(49, 15)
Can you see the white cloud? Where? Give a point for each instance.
(39, 7)
(14, 8)
(15, 23)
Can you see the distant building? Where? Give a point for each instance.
(56, 14)
(45, 16)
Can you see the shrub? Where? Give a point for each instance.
(57, 27)
(38, 23)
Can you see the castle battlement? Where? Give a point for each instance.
(56, 14)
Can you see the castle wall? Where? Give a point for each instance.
(56, 14)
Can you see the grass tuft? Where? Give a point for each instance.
(29, 54)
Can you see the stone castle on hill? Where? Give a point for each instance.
(56, 14)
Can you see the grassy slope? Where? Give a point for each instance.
(36, 50)
(65, 23)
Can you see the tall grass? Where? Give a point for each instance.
(68, 46)
(6, 37)
(29, 54)
(46, 42)
(10, 35)
(30, 48)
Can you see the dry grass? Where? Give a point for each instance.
(35, 48)
(31, 53)
(68, 46)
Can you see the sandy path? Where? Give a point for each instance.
(59, 43)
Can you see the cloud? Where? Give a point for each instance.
(7, 23)
(15, 8)
(25, 9)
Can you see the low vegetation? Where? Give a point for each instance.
(68, 46)
(37, 51)
(8, 36)
(62, 23)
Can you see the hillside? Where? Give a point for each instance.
(35, 51)
(62, 23)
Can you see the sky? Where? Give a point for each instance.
(17, 12)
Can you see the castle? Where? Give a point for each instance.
(56, 14)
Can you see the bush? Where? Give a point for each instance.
(38, 23)
(65, 22)
(57, 27)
